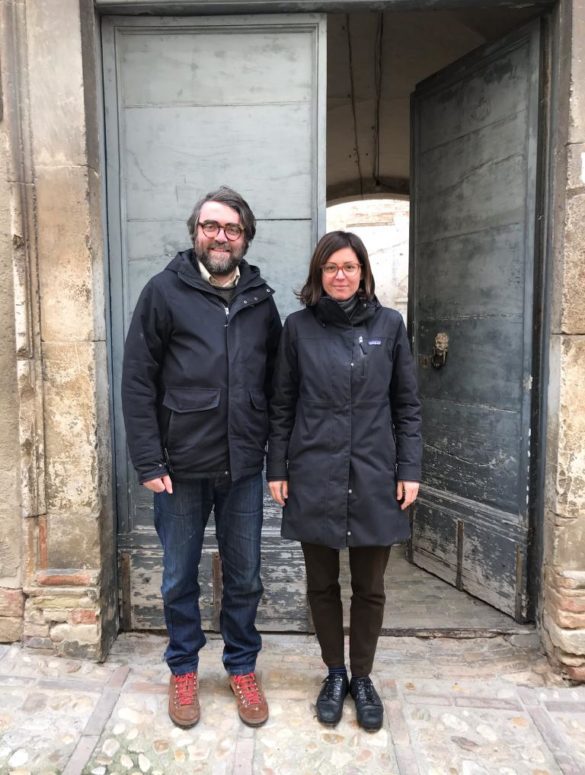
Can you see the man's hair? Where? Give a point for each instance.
(329, 244)
(231, 198)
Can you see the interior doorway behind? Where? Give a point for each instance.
(383, 224)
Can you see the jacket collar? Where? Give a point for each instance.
(187, 269)
(328, 312)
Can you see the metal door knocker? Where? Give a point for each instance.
(440, 348)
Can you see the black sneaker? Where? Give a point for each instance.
(368, 704)
(331, 697)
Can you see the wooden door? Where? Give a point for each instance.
(191, 104)
(475, 145)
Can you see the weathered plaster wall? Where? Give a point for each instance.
(564, 566)
(69, 569)
(11, 598)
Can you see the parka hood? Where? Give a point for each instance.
(329, 312)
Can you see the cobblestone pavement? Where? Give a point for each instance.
(470, 706)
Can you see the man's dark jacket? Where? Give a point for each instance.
(345, 425)
(197, 374)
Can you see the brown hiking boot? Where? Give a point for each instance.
(183, 701)
(252, 705)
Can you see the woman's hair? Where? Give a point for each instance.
(330, 243)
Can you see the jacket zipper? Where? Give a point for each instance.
(227, 353)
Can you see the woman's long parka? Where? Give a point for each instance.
(345, 424)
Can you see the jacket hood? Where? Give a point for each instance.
(186, 267)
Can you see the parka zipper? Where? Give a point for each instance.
(349, 473)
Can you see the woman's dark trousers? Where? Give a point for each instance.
(367, 566)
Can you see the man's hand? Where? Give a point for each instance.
(406, 492)
(279, 491)
(160, 485)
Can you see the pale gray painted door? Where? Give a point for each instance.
(475, 142)
(193, 103)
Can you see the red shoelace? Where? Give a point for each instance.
(248, 688)
(185, 688)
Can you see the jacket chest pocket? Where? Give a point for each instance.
(373, 362)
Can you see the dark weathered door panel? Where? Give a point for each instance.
(475, 137)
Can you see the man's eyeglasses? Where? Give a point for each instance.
(212, 228)
(347, 269)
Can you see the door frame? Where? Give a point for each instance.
(206, 7)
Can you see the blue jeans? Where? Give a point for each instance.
(180, 521)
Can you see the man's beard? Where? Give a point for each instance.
(219, 267)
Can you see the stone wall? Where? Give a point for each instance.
(564, 566)
(61, 404)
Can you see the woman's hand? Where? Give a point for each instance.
(406, 492)
(279, 491)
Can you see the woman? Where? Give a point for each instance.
(344, 457)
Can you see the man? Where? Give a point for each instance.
(197, 372)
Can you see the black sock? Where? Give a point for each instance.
(338, 671)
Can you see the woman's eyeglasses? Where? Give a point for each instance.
(347, 269)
